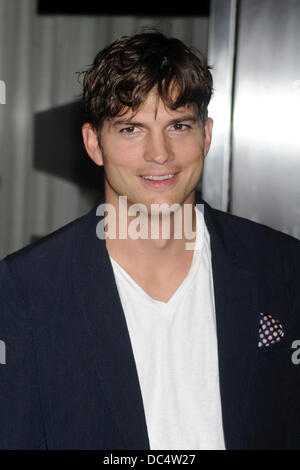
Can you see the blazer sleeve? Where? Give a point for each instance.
(21, 423)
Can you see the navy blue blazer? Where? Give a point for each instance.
(70, 381)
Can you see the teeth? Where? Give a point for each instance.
(158, 178)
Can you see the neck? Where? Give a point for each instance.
(136, 229)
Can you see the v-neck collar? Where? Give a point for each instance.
(187, 281)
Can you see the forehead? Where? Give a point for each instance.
(154, 108)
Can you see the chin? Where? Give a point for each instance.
(164, 201)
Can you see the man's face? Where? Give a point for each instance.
(154, 142)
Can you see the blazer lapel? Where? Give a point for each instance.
(237, 318)
(98, 298)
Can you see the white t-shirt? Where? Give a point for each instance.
(175, 350)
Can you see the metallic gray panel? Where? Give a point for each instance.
(220, 56)
(266, 125)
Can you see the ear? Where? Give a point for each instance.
(208, 135)
(90, 140)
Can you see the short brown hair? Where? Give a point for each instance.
(123, 74)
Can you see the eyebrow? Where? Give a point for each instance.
(188, 117)
(128, 122)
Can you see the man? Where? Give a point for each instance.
(119, 337)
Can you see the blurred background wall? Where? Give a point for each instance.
(253, 168)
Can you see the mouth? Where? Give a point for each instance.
(159, 181)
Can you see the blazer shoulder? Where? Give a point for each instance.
(56, 241)
(257, 245)
(250, 230)
(48, 258)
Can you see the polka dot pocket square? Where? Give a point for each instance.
(270, 331)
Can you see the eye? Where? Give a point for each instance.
(179, 127)
(129, 130)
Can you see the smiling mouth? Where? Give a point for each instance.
(158, 177)
(159, 182)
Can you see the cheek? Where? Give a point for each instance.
(193, 154)
(116, 159)
(189, 149)
(121, 156)
(118, 168)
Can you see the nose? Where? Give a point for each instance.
(157, 148)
